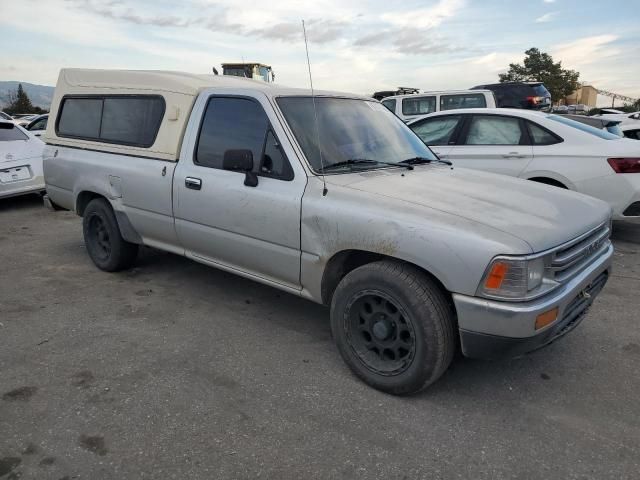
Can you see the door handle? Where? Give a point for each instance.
(513, 155)
(193, 183)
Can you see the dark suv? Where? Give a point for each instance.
(528, 95)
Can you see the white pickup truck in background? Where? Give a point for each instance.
(331, 198)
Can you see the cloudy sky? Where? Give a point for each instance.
(356, 45)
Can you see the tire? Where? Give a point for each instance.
(393, 326)
(106, 247)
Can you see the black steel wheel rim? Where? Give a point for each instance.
(100, 237)
(380, 333)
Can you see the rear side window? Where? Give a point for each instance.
(133, 121)
(494, 130)
(10, 134)
(541, 136)
(390, 104)
(80, 118)
(125, 120)
(418, 105)
(436, 131)
(467, 100)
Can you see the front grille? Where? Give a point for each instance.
(579, 305)
(575, 255)
(632, 210)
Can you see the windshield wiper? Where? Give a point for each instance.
(421, 160)
(365, 161)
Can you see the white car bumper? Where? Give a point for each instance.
(19, 177)
(620, 190)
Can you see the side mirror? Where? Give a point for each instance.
(7, 125)
(241, 161)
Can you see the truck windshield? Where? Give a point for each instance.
(350, 129)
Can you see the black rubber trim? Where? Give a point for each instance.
(632, 210)
(127, 230)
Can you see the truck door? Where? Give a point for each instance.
(253, 230)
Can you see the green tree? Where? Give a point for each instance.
(540, 67)
(19, 102)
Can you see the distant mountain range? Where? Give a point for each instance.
(40, 95)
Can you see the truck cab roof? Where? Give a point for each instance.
(178, 90)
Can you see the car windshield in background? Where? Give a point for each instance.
(11, 134)
(350, 129)
(584, 128)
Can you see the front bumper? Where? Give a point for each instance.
(493, 329)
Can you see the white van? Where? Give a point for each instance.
(408, 107)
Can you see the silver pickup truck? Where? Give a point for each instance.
(331, 198)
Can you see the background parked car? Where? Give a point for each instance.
(23, 119)
(547, 148)
(578, 109)
(611, 126)
(623, 118)
(527, 95)
(20, 161)
(38, 125)
(412, 106)
(631, 131)
(6, 116)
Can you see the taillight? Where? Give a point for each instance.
(625, 165)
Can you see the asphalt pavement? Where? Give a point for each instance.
(177, 370)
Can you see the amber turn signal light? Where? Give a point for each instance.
(546, 318)
(496, 275)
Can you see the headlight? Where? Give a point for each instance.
(517, 278)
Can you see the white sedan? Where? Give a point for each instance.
(542, 147)
(20, 161)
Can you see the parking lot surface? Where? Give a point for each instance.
(177, 370)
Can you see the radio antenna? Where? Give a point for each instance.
(315, 111)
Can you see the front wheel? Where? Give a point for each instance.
(105, 245)
(393, 326)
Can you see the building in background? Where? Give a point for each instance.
(585, 95)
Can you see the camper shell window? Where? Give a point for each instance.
(132, 120)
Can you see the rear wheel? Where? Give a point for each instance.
(106, 247)
(393, 326)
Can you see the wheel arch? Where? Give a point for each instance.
(550, 178)
(84, 197)
(345, 261)
(127, 230)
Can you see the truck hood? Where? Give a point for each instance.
(540, 215)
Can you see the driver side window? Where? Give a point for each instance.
(234, 123)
